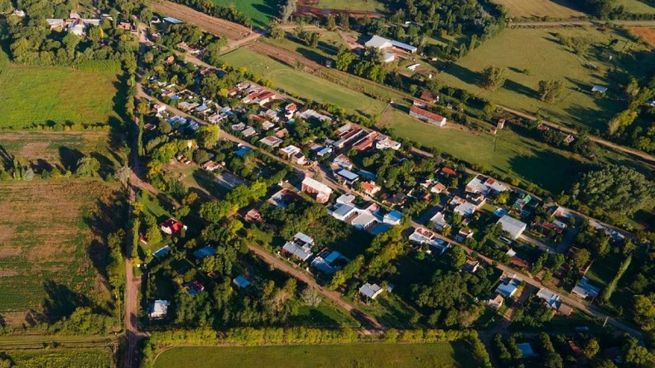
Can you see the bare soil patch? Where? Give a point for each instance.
(646, 33)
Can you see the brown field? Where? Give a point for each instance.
(646, 33)
(539, 8)
(46, 232)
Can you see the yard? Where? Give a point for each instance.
(260, 11)
(540, 8)
(333, 356)
(47, 243)
(531, 55)
(37, 94)
(303, 84)
(61, 358)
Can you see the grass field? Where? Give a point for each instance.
(637, 6)
(46, 242)
(61, 149)
(531, 55)
(36, 94)
(367, 5)
(323, 356)
(303, 84)
(260, 11)
(540, 8)
(61, 358)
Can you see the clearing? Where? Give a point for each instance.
(47, 243)
(85, 93)
(359, 5)
(531, 55)
(260, 11)
(540, 8)
(322, 356)
(301, 84)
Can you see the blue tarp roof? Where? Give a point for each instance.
(205, 251)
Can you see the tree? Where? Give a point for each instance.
(277, 32)
(310, 297)
(644, 311)
(344, 59)
(457, 257)
(87, 166)
(550, 91)
(330, 22)
(288, 10)
(492, 77)
(581, 258)
(208, 136)
(591, 348)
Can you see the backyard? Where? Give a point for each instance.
(531, 55)
(47, 243)
(333, 356)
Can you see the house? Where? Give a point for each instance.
(526, 350)
(172, 20)
(447, 171)
(485, 186)
(312, 114)
(253, 216)
(194, 287)
(364, 220)
(471, 265)
(77, 29)
(463, 207)
(585, 289)
(211, 166)
(19, 13)
(427, 116)
(428, 97)
(320, 191)
(172, 226)
(344, 212)
(289, 151)
(387, 143)
(248, 132)
(381, 43)
(496, 302)
(388, 57)
(599, 89)
(438, 221)
(241, 282)
(347, 176)
(370, 188)
(343, 162)
(271, 141)
(508, 287)
(512, 226)
(346, 199)
(438, 188)
(427, 237)
(550, 298)
(300, 247)
(393, 218)
(159, 309)
(204, 252)
(329, 263)
(370, 291)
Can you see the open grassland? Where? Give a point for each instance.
(366, 5)
(260, 11)
(531, 55)
(637, 6)
(47, 242)
(61, 358)
(540, 8)
(322, 356)
(37, 94)
(60, 149)
(302, 84)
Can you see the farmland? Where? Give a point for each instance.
(366, 5)
(335, 356)
(260, 11)
(45, 242)
(61, 358)
(38, 94)
(531, 55)
(646, 33)
(303, 84)
(637, 6)
(540, 8)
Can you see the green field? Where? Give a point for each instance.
(47, 245)
(531, 55)
(303, 84)
(540, 8)
(61, 358)
(36, 94)
(367, 5)
(321, 356)
(637, 6)
(260, 11)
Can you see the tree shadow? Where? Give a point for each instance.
(69, 157)
(311, 55)
(464, 74)
(516, 87)
(106, 165)
(61, 301)
(546, 169)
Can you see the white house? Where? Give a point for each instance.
(159, 309)
(508, 287)
(370, 291)
(512, 226)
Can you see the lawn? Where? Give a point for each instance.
(531, 55)
(260, 11)
(366, 5)
(508, 153)
(61, 358)
(61, 149)
(321, 356)
(540, 8)
(303, 84)
(47, 243)
(37, 94)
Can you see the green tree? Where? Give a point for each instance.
(208, 136)
(87, 166)
(492, 77)
(550, 90)
(344, 59)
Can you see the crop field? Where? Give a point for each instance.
(260, 11)
(46, 242)
(322, 356)
(366, 5)
(531, 55)
(540, 8)
(37, 94)
(60, 149)
(61, 358)
(303, 84)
